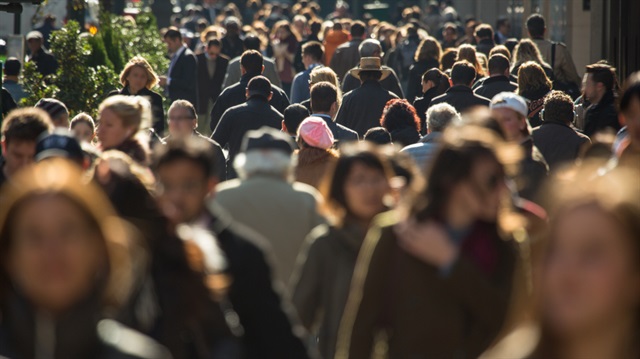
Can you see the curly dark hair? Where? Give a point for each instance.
(399, 114)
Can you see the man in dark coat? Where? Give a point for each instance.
(361, 108)
(44, 60)
(255, 113)
(324, 104)
(498, 80)
(599, 86)
(212, 67)
(267, 328)
(460, 95)
(234, 70)
(347, 55)
(556, 139)
(484, 38)
(252, 65)
(372, 48)
(181, 79)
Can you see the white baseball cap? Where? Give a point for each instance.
(511, 101)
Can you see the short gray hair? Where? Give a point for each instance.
(440, 116)
(369, 47)
(265, 162)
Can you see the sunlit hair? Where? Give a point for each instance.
(428, 48)
(526, 50)
(272, 163)
(325, 74)
(398, 114)
(531, 77)
(61, 178)
(141, 62)
(133, 111)
(468, 52)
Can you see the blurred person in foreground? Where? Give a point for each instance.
(186, 179)
(439, 118)
(443, 258)
(265, 199)
(20, 132)
(355, 189)
(66, 272)
(510, 111)
(316, 153)
(628, 149)
(586, 274)
(434, 84)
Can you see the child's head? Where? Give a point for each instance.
(83, 127)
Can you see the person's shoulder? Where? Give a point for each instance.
(305, 190)
(236, 61)
(482, 99)
(227, 187)
(189, 53)
(122, 342)
(114, 92)
(440, 98)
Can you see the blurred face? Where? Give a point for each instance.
(482, 193)
(181, 122)
(631, 118)
(82, 132)
(592, 90)
(137, 79)
(426, 86)
(17, 155)
(111, 132)
(61, 121)
(213, 52)
(511, 123)
(589, 278)
(182, 188)
(34, 45)
(449, 34)
(172, 44)
(364, 191)
(56, 254)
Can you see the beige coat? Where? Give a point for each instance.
(282, 212)
(563, 69)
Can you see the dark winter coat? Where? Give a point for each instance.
(361, 108)
(461, 98)
(414, 87)
(184, 78)
(602, 115)
(210, 87)
(494, 85)
(558, 142)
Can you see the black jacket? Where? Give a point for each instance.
(361, 108)
(157, 108)
(421, 105)
(414, 86)
(268, 324)
(461, 97)
(183, 77)
(7, 103)
(240, 119)
(485, 46)
(209, 88)
(535, 104)
(492, 86)
(220, 163)
(390, 83)
(533, 171)
(558, 142)
(601, 115)
(236, 95)
(339, 132)
(45, 62)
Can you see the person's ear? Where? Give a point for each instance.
(242, 70)
(262, 71)
(270, 96)
(212, 183)
(4, 145)
(284, 127)
(246, 93)
(334, 107)
(195, 123)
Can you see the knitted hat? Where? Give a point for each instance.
(52, 106)
(315, 132)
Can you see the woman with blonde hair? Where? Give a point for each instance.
(534, 85)
(68, 263)
(323, 74)
(427, 57)
(137, 79)
(468, 52)
(526, 50)
(121, 121)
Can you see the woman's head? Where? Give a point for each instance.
(356, 187)
(138, 74)
(120, 119)
(325, 74)
(531, 77)
(589, 271)
(83, 127)
(468, 53)
(526, 50)
(435, 78)
(60, 240)
(428, 48)
(399, 114)
(282, 30)
(448, 58)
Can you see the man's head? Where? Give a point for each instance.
(503, 26)
(558, 107)
(500, 49)
(484, 32)
(259, 87)
(378, 135)
(173, 38)
(20, 131)
(183, 119)
(358, 30)
(185, 175)
(536, 26)
(370, 48)
(251, 42)
(312, 53)
(60, 144)
(293, 117)
(510, 111)
(499, 65)
(214, 46)
(265, 152)
(58, 112)
(599, 79)
(440, 116)
(630, 109)
(34, 41)
(463, 73)
(324, 97)
(449, 32)
(251, 62)
(12, 67)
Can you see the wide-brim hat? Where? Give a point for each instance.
(370, 64)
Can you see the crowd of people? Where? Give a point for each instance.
(324, 187)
